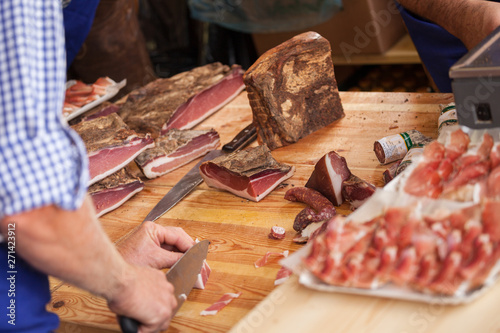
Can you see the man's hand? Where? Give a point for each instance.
(147, 297)
(155, 246)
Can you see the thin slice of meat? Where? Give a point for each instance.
(209, 101)
(220, 304)
(265, 259)
(111, 145)
(175, 149)
(328, 175)
(282, 275)
(251, 173)
(356, 191)
(203, 276)
(114, 190)
(149, 108)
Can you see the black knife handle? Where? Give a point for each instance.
(243, 138)
(128, 325)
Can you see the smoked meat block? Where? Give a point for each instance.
(293, 91)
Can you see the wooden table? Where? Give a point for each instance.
(238, 228)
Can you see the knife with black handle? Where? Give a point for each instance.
(182, 276)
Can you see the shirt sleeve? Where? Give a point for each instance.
(42, 160)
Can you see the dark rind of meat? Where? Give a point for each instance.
(105, 111)
(121, 177)
(173, 140)
(114, 190)
(103, 132)
(390, 173)
(320, 208)
(148, 108)
(250, 161)
(293, 91)
(320, 179)
(356, 190)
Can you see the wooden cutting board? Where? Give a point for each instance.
(238, 228)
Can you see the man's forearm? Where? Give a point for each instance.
(70, 245)
(468, 20)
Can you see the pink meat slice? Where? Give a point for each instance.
(105, 162)
(265, 259)
(220, 304)
(251, 173)
(328, 175)
(111, 192)
(110, 199)
(203, 276)
(282, 275)
(111, 145)
(176, 149)
(207, 102)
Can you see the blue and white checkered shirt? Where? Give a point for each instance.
(42, 161)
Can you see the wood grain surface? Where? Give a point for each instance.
(237, 228)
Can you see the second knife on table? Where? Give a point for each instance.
(193, 177)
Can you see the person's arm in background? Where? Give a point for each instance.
(469, 20)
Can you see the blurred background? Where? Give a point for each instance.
(371, 49)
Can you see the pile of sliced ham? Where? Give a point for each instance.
(456, 169)
(445, 252)
(80, 94)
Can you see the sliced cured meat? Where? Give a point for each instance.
(356, 191)
(220, 304)
(328, 175)
(111, 145)
(149, 108)
(319, 208)
(434, 254)
(175, 149)
(289, 81)
(265, 259)
(251, 173)
(282, 275)
(105, 110)
(277, 232)
(206, 102)
(203, 276)
(114, 190)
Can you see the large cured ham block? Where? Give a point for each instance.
(114, 190)
(175, 149)
(251, 173)
(183, 100)
(110, 144)
(293, 91)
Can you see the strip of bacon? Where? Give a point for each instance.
(220, 304)
(264, 260)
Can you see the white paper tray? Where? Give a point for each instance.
(112, 90)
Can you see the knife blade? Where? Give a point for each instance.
(182, 275)
(193, 177)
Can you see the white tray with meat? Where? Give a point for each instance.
(432, 236)
(81, 97)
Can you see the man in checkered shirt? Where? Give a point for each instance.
(46, 218)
